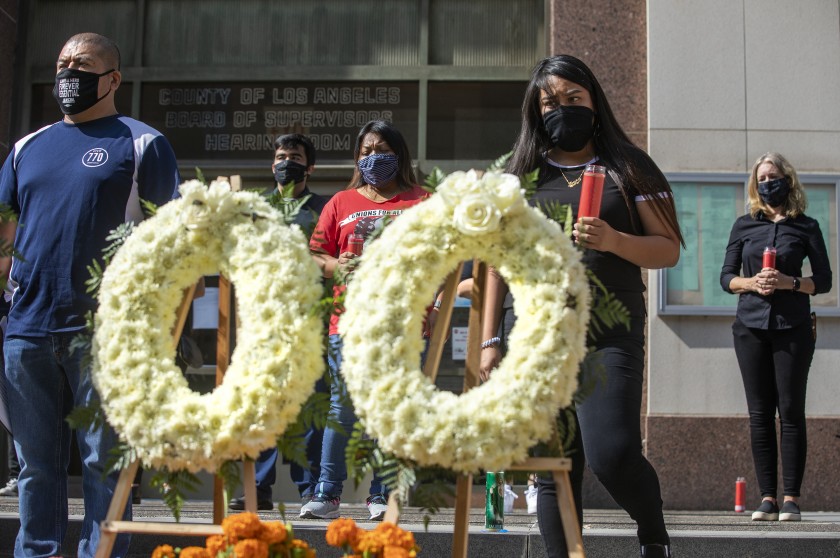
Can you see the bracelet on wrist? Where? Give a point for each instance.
(492, 342)
(438, 302)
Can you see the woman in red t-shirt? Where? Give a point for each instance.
(383, 185)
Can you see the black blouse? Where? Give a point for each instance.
(794, 240)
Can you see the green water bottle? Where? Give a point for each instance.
(494, 506)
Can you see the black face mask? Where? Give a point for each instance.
(76, 90)
(289, 171)
(774, 192)
(570, 128)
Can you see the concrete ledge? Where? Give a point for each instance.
(607, 533)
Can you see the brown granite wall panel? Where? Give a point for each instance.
(699, 458)
(8, 35)
(611, 37)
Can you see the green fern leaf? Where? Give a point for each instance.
(499, 164)
(200, 176)
(433, 180)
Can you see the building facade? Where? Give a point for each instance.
(705, 87)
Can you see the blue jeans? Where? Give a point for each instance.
(305, 478)
(44, 382)
(333, 459)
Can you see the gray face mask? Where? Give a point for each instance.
(774, 192)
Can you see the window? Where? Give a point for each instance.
(473, 120)
(205, 74)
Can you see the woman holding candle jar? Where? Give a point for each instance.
(567, 124)
(383, 185)
(773, 335)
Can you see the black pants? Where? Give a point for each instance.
(774, 366)
(612, 446)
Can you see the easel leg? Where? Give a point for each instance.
(463, 497)
(568, 515)
(219, 504)
(108, 536)
(249, 479)
(393, 513)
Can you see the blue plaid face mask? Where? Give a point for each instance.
(379, 169)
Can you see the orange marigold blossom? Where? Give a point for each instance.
(163, 551)
(244, 525)
(195, 552)
(396, 536)
(343, 532)
(216, 544)
(392, 551)
(371, 542)
(251, 548)
(273, 532)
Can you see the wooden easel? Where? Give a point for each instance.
(463, 488)
(113, 525)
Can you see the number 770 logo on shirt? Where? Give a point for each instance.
(96, 157)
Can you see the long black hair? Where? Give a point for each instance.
(611, 143)
(405, 174)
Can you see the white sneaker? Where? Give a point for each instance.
(377, 506)
(10, 490)
(321, 507)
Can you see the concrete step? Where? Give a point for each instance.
(607, 533)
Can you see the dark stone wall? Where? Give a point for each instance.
(9, 17)
(611, 37)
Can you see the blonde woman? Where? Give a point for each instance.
(774, 340)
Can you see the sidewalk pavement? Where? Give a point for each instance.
(607, 533)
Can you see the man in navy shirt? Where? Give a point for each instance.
(71, 183)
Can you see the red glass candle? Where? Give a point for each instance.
(769, 259)
(740, 495)
(591, 191)
(355, 243)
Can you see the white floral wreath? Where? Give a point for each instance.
(492, 426)
(278, 356)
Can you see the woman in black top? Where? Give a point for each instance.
(567, 123)
(774, 341)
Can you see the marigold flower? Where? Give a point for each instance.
(251, 548)
(216, 544)
(392, 551)
(343, 532)
(195, 552)
(396, 536)
(163, 551)
(245, 525)
(371, 542)
(273, 532)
